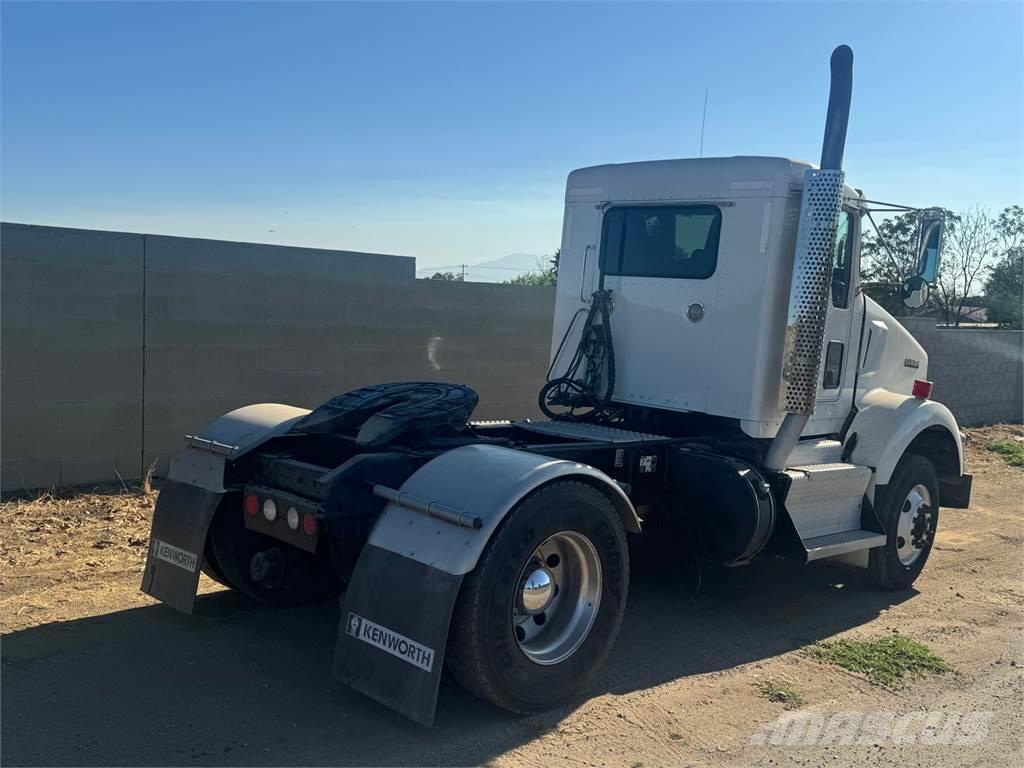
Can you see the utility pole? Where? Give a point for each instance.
(463, 278)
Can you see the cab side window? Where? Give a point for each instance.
(842, 261)
(677, 241)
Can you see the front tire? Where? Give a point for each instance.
(537, 618)
(908, 507)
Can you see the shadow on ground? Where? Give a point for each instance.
(234, 685)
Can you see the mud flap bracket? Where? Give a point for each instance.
(393, 631)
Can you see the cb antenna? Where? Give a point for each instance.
(703, 121)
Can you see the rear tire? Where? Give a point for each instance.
(908, 508)
(304, 577)
(506, 644)
(210, 567)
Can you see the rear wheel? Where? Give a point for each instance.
(210, 567)
(261, 567)
(908, 507)
(538, 616)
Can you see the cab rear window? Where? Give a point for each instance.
(661, 241)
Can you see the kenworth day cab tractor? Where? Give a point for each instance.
(716, 373)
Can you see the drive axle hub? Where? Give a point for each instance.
(558, 597)
(538, 591)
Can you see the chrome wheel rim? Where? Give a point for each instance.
(557, 598)
(912, 527)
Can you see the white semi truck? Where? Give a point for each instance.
(717, 373)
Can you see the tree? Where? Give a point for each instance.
(532, 278)
(446, 276)
(970, 243)
(1004, 288)
(544, 276)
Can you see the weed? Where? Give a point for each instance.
(884, 661)
(780, 693)
(1011, 450)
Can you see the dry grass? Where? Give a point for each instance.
(56, 539)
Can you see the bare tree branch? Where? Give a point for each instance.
(970, 245)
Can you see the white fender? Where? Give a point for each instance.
(485, 481)
(226, 438)
(887, 423)
(245, 428)
(189, 499)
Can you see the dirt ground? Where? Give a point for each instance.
(96, 673)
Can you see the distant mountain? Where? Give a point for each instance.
(495, 270)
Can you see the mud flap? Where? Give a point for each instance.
(393, 631)
(176, 542)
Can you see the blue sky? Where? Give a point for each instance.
(445, 131)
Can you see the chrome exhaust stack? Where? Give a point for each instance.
(820, 207)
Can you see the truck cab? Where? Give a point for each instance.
(702, 270)
(698, 256)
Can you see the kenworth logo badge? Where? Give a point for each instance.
(390, 642)
(171, 554)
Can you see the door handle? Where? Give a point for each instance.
(584, 296)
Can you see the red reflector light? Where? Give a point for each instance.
(309, 524)
(922, 389)
(252, 505)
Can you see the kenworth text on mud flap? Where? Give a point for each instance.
(716, 374)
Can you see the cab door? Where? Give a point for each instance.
(835, 383)
(659, 262)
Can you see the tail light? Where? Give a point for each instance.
(282, 515)
(922, 389)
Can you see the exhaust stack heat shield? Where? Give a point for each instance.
(809, 290)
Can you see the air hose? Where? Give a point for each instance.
(589, 379)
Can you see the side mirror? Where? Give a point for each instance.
(915, 292)
(929, 247)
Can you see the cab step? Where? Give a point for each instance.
(833, 544)
(825, 503)
(816, 451)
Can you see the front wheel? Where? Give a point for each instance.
(908, 507)
(538, 616)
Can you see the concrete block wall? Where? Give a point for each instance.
(116, 345)
(71, 350)
(978, 372)
(305, 339)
